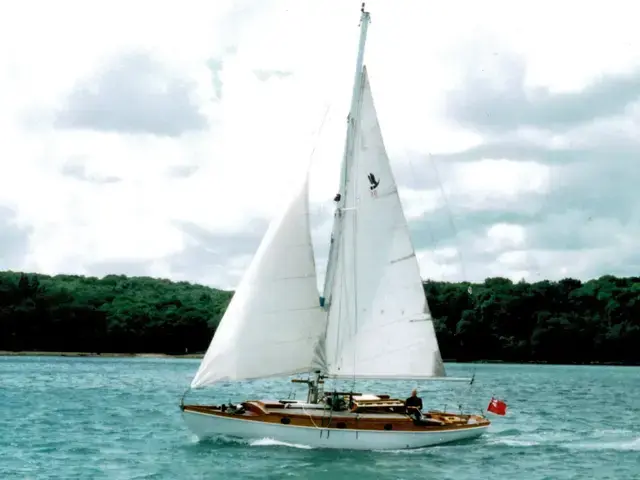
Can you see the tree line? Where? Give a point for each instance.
(498, 320)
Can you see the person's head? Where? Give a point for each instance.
(414, 393)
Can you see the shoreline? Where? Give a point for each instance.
(24, 353)
(7, 353)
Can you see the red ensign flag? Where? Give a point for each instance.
(497, 406)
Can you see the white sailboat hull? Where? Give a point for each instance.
(208, 426)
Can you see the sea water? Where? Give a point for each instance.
(118, 418)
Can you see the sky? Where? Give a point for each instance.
(160, 138)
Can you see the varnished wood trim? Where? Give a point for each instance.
(330, 420)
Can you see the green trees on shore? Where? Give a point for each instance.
(112, 314)
(561, 322)
(557, 322)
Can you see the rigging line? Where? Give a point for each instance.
(184, 394)
(311, 418)
(450, 218)
(341, 302)
(355, 287)
(355, 291)
(546, 196)
(356, 215)
(318, 131)
(470, 401)
(341, 293)
(432, 237)
(324, 413)
(312, 159)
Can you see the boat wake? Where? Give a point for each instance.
(608, 443)
(622, 440)
(431, 448)
(259, 442)
(408, 451)
(270, 442)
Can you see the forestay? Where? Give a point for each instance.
(379, 322)
(274, 324)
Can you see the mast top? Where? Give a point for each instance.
(364, 14)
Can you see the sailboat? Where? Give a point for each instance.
(371, 322)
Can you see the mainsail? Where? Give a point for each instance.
(376, 321)
(379, 324)
(274, 324)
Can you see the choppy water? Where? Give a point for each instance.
(72, 418)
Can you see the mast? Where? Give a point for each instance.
(365, 18)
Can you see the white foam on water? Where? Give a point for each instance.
(270, 442)
(624, 440)
(514, 442)
(225, 439)
(408, 451)
(531, 439)
(621, 445)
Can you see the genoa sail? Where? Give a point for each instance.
(274, 324)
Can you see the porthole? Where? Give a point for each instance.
(341, 425)
(388, 426)
(285, 420)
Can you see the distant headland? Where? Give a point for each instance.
(567, 322)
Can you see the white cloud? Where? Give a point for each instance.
(488, 182)
(439, 265)
(261, 75)
(417, 203)
(504, 235)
